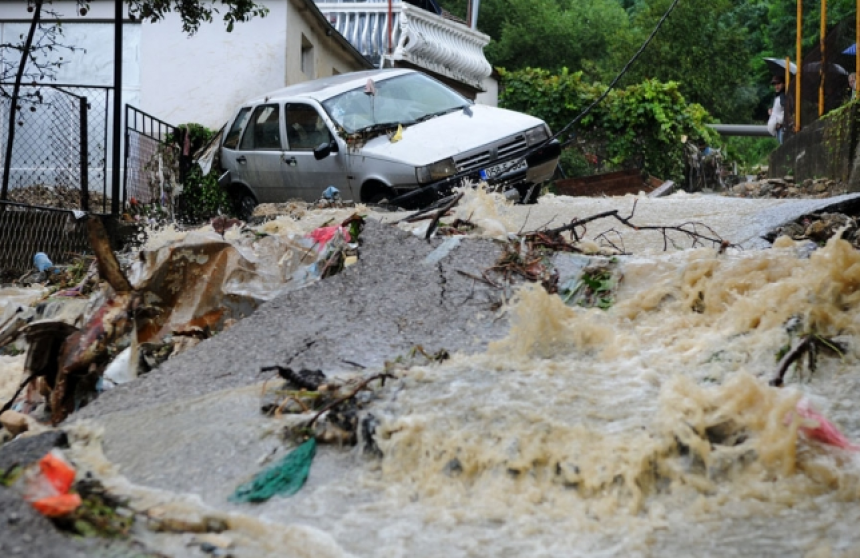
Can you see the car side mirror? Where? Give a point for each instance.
(323, 150)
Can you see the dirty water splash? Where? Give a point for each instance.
(644, 417)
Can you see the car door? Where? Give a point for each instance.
(306, 129)
(261, 154)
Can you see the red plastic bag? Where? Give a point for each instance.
(47, 490)
(57, 506)
(825, 432)
(323, 235)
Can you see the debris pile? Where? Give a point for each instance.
(787, 187)
(167, 299)
(819, 228)
(59, 196)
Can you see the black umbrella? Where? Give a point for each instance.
(777, 66)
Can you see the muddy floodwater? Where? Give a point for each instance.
(645, 429)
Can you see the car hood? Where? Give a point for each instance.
(450, 134)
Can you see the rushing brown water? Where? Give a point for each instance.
(645, 429)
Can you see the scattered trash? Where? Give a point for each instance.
(286, 477)
(42, 262)
(123, 368)
(14, 422)
(442, 250)
(48, 489)
(331, 194)
(817, 427)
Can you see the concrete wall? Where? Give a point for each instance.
(204, 77)
(329, 56)
(490, 95)
(825, 148)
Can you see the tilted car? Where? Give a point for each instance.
(374, 136)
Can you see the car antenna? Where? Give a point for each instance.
(370, 89)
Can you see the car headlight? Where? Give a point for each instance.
(537, 135)
(436, 171)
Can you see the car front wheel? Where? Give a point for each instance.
(244, 204)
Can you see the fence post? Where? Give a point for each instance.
(85, 148)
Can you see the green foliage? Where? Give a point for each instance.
(201, 196)
(553, 34)
(642, 125)
(595, 288)
(749, 152)
(705, 48)
(194, 12)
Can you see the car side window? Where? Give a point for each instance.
(231, 141)
(306, 129)
(263, 130)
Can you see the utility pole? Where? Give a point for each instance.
(116, 145)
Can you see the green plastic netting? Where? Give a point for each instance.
(286, 477)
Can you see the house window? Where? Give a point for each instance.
(307, 58)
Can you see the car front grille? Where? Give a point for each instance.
(506, 149)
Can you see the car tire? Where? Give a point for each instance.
(377, 193)
(244, 204)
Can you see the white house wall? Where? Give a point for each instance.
(204, 77)
(201, 78)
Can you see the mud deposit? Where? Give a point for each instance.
(648, 428)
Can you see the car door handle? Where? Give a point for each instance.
(290, 162)
(241, 159)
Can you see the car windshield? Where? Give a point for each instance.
(402, 100)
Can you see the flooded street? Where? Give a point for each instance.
(648, 428)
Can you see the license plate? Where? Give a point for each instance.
(503, 168)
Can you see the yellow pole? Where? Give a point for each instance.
(799, 58)
(822, 66)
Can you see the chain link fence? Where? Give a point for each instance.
(25, 230)
(60, 150)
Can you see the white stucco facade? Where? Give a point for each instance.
(200, 78)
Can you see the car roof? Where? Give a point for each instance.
(325, 88)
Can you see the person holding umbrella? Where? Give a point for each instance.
(777, 112)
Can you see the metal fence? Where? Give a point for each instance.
(60, 150)
(25, 230)
(151, 158)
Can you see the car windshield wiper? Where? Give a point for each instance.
(440, 113)
(377, 127)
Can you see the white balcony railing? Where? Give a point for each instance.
(419, 37)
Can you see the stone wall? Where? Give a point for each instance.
(824, 149)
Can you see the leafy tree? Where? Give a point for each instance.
(643, 125)
(195, 12)
(587, 35)
(705, 48)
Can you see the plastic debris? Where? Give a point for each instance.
(824, 431)
(323, 235)
(442, 250)
(331, 193)
(398, 135)
(48, 490)
(42, 262)
(286, 477)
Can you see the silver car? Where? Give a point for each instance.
(378, 135)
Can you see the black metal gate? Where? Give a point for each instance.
(151, 158)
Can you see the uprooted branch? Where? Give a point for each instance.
(361, 385)
(698, 232)
(806, 345)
